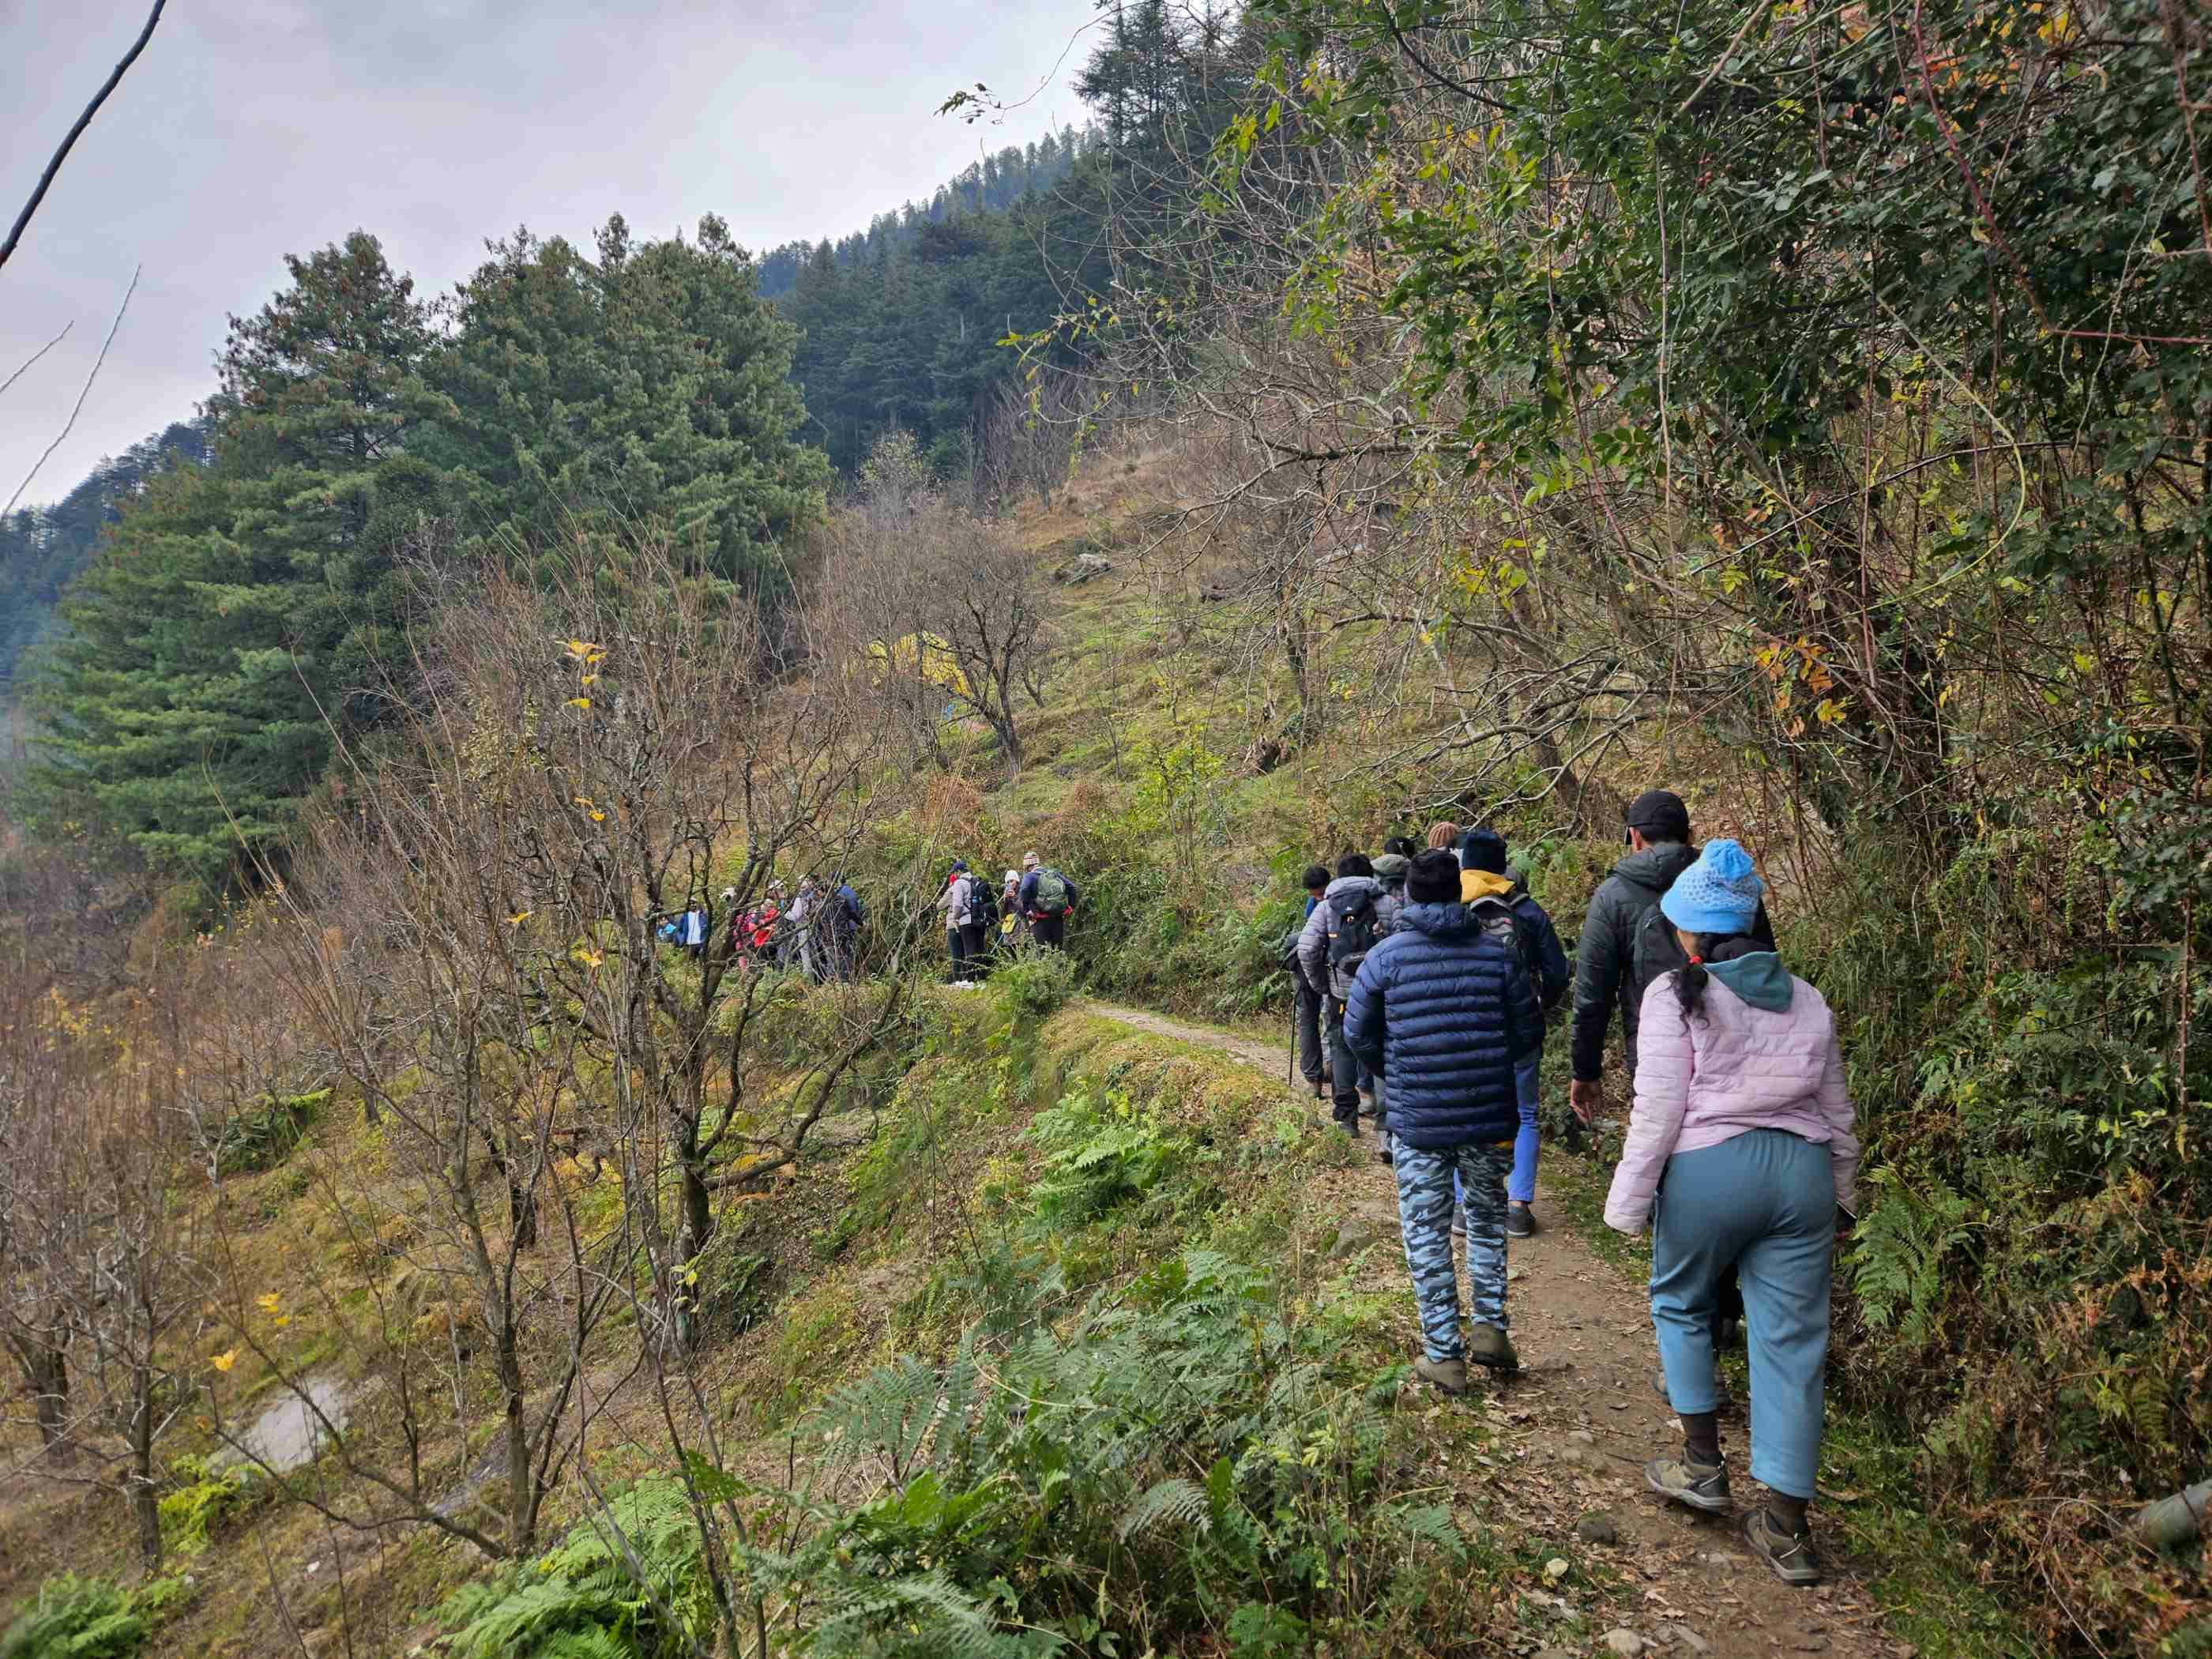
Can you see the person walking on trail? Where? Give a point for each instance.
(1343, 928)
(1013, 925)
(694, 928)
(1444, 1012)
(1048, 898)
(1312, 1062)
(1392, 866)
(800, 947)
(845, 917)
(964, 939)
(1741, 1136)
(1484, 874)
(1625, 943)
(1444, 835)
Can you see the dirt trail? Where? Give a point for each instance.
(1573, 1430)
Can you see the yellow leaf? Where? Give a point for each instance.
(518, 918)
(579, 702)
(598, 817)
(268, 1302)
(581, 647)
(224, 1361)
(283, 1320)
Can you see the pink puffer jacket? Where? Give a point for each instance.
(1739, 1068)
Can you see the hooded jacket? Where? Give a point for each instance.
(1605, 966)
(957, 901)
(1444, 1012)
(1764, 1056)
(1313, 943)
(1544, 957)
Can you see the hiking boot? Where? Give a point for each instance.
(1520, 1221)
(1792, 1557)
(1701, 1486)
(1386, 1148)
(1727, 1333)
(1722, 1399)
(1459, 1221)
(1489, 1345)
(1448, 1374)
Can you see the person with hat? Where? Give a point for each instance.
(1484, 874)
(1741, 1140)
(1624, 946)
(964, 939)
(1443, 1012)
(1048, 898)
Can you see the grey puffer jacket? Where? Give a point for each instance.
(1313, 944)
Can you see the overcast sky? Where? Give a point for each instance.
(250, 129)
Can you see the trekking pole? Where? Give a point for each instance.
(1291, 1076)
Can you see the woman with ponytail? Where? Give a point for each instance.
(1741, 1137)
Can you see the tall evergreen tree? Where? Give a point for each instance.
(240, 614)
(650, 382)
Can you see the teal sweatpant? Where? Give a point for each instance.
(1764, 1202)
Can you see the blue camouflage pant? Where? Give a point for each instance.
(1425, 1179)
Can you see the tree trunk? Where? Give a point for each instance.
(521, 1477)
(49, 1370)
(145, 1505)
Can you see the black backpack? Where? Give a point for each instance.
(1654, 951)
(1499, 920)
(1353, 934)
(982, 905)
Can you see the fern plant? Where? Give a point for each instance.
(1897, 1255)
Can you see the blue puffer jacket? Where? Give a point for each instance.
(1443, 1014)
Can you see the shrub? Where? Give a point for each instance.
(206, 1498)
(1036, 984)
(1099, 1155)
(88, 1618)
(253, 1141)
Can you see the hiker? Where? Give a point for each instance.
(962, 937)
(764, 927)
(1741, 1133)
(844, 915)
(1444, 836)
(1342, 929)
(1013, 926)
(1625, 943)
(733, 942)
(981, 933)
(694, 929)
(1443, 1009)
(1484, 874)
(1311, 1063)
(799, 948)
(1391, 868)
(1048, 898)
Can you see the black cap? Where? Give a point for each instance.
(1433, 878)
(1659, 814)
(1483, 849)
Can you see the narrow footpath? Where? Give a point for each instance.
(1572, 1431)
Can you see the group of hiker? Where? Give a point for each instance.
(1427, 977)
(981, 922)
(814, 932)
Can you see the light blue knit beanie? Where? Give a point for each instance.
(1719, 894)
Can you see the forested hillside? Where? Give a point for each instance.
(1423, 417)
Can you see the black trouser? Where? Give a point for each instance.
(1310, 1049)
(1347, 1075)
(1050, 930)
(975, 948)
(956, 953)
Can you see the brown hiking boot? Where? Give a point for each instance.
(1489, 1345)
(1448, 1374)
(1701, 1486)
(1792, 1557)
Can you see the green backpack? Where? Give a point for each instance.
(1051, 893)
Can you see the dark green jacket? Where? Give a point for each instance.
(1605, 968)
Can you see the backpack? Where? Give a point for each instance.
(1653, 951)
(1351, 935)
(982, 905)
(1051, 893)
(850, 909)
(1501, 921)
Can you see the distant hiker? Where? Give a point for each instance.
(764, 927)
(735, 940)
(1484, 875)
(964, 939)
(1443, 1009)
(1013, 925)
(1391, 869)
(1311, 1063)
(1444, 836)
(982, 933)
(1625, 943)
(1343, 928)
(1048, 898)
(669, 930)
(1401, 845)
(1742, 1116)
(843, 918)
(694, 930)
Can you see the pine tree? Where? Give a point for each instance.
(648, 383)
(240, 615)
